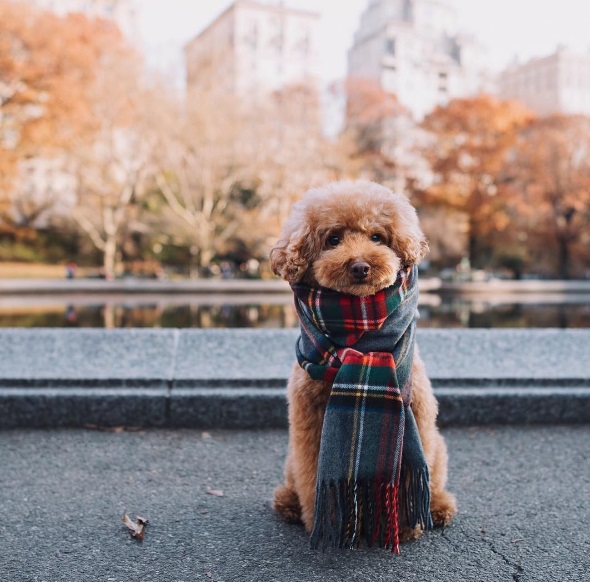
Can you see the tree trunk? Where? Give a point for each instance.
(110, 257)
(204, 258)
(109, 316)
(472, 245)
(564, 257)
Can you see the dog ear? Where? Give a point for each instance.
(294, 254)
(411, 249)
(408, 240)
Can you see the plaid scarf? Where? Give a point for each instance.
(372, 475)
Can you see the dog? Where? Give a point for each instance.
(352, 237)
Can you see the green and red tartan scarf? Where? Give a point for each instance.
(372, 476)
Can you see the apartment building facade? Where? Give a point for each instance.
(557, 83)
(413, 48)
(252, 49)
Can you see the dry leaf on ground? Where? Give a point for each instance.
(216, 492)
(114, 429)
(135, 529)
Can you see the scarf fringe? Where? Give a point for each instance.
(347, 512)
(414, 499)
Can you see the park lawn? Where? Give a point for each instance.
(9, 270)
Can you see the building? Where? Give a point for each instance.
(558, 83)
(123, 12)
(413, 49)
(254, 48)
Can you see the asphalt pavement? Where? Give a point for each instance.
(523, 495)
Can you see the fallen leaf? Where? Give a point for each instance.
(114, 429)
(216, 492)
(137, 530)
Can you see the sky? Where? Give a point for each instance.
(507, 28)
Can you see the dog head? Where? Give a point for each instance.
(352, 237)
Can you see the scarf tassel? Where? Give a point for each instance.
(414, 499)
(347, 512)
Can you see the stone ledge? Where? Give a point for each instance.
(237, 378)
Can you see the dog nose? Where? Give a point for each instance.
(360, 270)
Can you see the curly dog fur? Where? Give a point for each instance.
(330, 232)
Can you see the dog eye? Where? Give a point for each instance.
(376, 238)
(334, 240)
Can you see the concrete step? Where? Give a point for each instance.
(237, 378)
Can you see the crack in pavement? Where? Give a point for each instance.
(459, 527)
(519, 570)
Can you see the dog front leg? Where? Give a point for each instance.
(307, 403)
(443, 505)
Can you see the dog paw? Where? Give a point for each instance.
(443, 508)
(408, 534)
(286, 504)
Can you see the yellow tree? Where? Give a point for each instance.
(467, 155)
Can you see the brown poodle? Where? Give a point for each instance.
(352, 237)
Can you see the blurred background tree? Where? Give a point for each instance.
(550, 193)
(48, 66)
(111, 160)
(467, 155)
(371, 116)
(106, 166)
(201, 171)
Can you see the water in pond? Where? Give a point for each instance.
(274, 311)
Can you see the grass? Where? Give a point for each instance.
(12, 270)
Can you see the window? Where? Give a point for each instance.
(251, 38)
(408, 11)
(443, 78)
(304, 45)
(390, 46)
(277, 39)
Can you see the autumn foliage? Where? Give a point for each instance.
(136, 173)
(371, 116)
(521, 184)
(48, 69)
(472, 141)
(550, 194)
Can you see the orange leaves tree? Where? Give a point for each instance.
(471, 141)
(71, 103)
(550, 202)
(47, 68)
